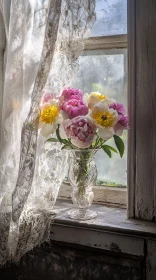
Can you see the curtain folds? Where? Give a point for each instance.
(45, 39)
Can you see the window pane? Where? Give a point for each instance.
(106, 71)
(111, 18)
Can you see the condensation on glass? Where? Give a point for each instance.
(111, 18)
(106, 71)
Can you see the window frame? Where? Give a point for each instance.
(142, 109)
(141, 44)
(112, 196)
(106, 42)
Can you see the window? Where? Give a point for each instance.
(103, 68)
(111, 18)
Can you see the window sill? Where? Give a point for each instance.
(110, 231)
(102, 195)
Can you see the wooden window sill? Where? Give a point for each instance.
(111, 230)
(116, 196)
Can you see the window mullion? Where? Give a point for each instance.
(106, 42)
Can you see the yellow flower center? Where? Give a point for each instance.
(100, 96)
(49, 114)
(104, 119)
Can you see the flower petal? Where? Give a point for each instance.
(92, 100)
(62, 132)
(110, 101)
(55, 102)
(118, 129)
(59, 120)
(115, 116)
(47, 129)
(118, 107)
(64, 115)
(105, 133)
(100, 107)
(80, 144)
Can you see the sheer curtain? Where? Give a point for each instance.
(44, 41)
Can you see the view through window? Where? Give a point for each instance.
(105, 70)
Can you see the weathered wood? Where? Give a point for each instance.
(109, 219)
(131, 108)
(64, 261)
(106, 42)
(98, 239)
(102, 195)
(151, 260)
(142, 90)
(145, 202)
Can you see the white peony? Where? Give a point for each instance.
(105, 119)
(95, 97)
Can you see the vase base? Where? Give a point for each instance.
(82, 214)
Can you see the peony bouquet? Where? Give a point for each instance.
(80, 121)
(83, 124)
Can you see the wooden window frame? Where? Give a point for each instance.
(106, 42)
(114, 196)
(103, 195)
(142, 101)
(142, 98)
(142, 109)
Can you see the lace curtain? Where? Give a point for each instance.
(44, 41)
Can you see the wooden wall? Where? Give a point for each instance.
(57, 261)
(142, 102)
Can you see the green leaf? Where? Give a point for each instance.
(62, 141)
(52, 140)
(111, 148)
(119, 144)
(106, 150)
(66, 146)
(100, 141)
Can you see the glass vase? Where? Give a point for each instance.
(82, 176)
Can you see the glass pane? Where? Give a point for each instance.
(106, 71)
(111, 18)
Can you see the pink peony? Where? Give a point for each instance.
(71, 93)
(118, 107)
(81, 131)
(74, 108)
(121, 125)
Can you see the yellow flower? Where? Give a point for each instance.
(50, 117)
(105, 119)
(99, 96)
(49, 114)
(95, 97)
